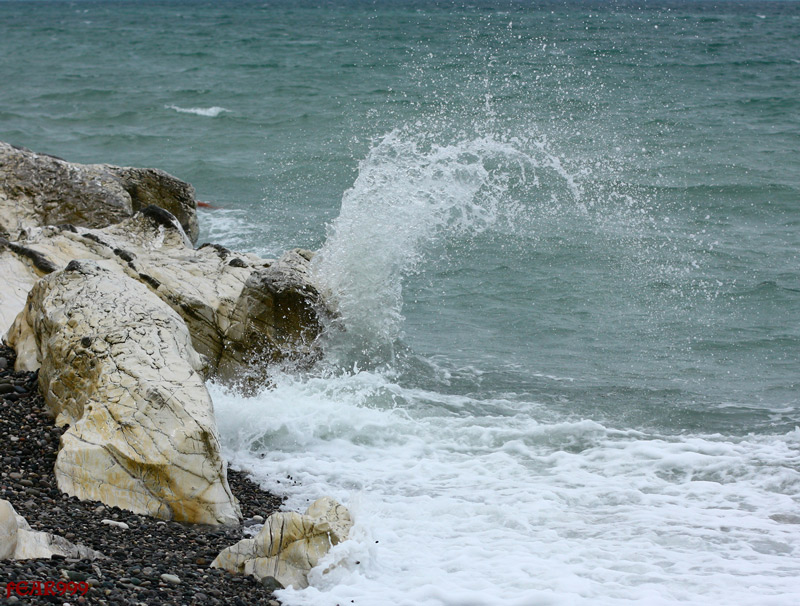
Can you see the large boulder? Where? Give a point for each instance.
(118, 367)
(19, 542)
(289, 545)
(242, 311)
(38, 189)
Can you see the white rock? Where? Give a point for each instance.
(240, 309)
(171, 579)
(19, 542)
(118, 367)
(290, 544)
(8, 530)
(18, 278)
(116, 523)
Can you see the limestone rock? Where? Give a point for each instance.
(38, 189)
(18, 278)
(19, 542)
(118, 367)
(241, 310)
(8, 530)
(290, 544)
(276, 317)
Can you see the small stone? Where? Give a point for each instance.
(3, 363)
(274, 603)
(271, 584)
(147, 571)
(75, 575)
(6, 388)
(171, 578)
(99, 509)
(115, 523)
(15, 475)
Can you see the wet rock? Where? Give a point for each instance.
(290, 544)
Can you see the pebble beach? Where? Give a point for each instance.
(148, 561)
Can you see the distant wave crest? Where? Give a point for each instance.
(210, 112)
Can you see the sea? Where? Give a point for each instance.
(562, 239)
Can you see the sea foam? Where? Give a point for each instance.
(209, 112)
(502, 509)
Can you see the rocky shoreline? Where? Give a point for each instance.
(111, 471)
(136, 556)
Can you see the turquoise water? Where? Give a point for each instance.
(563, 238)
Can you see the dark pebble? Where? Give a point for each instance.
(139, 555)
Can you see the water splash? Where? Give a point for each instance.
(412, 193)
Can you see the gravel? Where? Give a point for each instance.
(145, 556)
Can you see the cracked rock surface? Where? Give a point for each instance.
(241, 311)
(38, 189)
(118, 367)
(290, 544)
(136, 556)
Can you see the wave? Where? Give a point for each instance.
(209, 112)
(412, 195)
(502, 498)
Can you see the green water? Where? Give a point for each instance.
(586, 210)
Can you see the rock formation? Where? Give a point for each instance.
(38, 189)
(118, 367)
(106, 296)
(290, 544)
(241, 310)
(19, 542)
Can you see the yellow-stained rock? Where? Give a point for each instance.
(241, 310)
(118, 367)
(290, 544)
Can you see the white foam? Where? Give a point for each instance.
(209, 112)
(498, 508)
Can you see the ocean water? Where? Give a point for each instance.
(564, 242)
